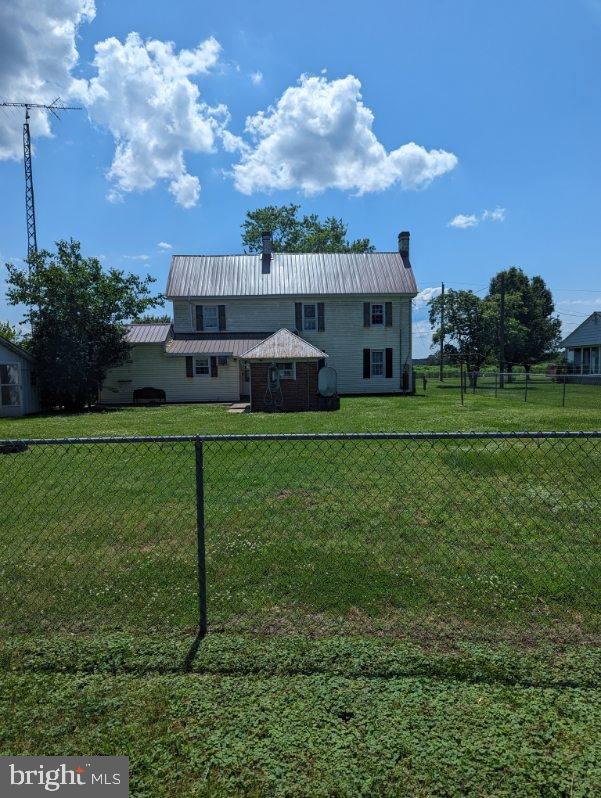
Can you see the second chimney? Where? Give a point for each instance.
(267, 246)
(404, 248)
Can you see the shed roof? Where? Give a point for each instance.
(284, 345)
(147, 333)
(290, 274)
(18, 350)
(234, 345)
(587, 333)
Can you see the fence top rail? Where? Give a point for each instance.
(302, 436)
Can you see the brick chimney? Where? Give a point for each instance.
(404, 248)
(267, 247)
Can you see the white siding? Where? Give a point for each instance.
(29, 396)
(150, 367)
(343, 339)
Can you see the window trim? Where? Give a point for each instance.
(202, 375)
(371, 314)
(292, 375)
(314, 319)
(381, 365)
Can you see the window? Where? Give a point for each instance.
(210, 318)
(377, 363)
(10, 390)
(377, 315)
(309, 317)
(287, 371)
(201, 367)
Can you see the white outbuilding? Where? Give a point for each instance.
(18, 391)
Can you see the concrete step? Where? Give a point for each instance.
(239, 407)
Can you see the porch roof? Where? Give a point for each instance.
(284, 345)
(218, 344)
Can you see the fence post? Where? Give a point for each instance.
(496, 383)
(526, 389)
(200, 540)
(563, 403)
(461, 381)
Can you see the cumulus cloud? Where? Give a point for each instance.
(256, 78)
(143, 94)
(319, 135)
(37, 53)
(425, 296)
(422, 339)
(164, 245)
(463, 221)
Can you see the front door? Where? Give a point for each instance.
(244, 381)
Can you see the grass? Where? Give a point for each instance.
(386, 618)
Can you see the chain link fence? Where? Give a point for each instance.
(321, 534)
(558, 390)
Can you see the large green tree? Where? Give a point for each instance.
(532, 332)
(9, 331)
(292, 233)
(469, 329)
(77, 312)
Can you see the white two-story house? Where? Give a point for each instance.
(232, 312)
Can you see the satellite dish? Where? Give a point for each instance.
(327, 381)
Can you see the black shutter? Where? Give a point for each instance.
(321, 317)
(221, 312)
(214, 370)
(388, 314)
(389, 361)
(199, 319)
(366, 364)
(298, 315)
(367, 314)
(189, 367)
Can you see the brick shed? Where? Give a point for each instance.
(283, 374)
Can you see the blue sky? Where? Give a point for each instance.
(501, 99)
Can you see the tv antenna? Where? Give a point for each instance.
(54, 107)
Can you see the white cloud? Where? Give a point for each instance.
(422, 339)
(319, 135)
(142, 93)
(164, 245)
(463, 221)
(425, 296)
(256, 78)
(37, 53)
(136, 257)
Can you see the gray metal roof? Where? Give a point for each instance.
(290, 274)
(18, 350)
(147, 333)
(587, 333)
(233, 345)
(284, 345)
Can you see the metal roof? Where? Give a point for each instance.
(18, 350)
(147, 333)
(574, 336)
(290, 274)
(213, 345)
(284, 345)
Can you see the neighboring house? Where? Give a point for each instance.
(18, 392)
(353, 309)
(583, 346)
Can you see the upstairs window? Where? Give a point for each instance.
(210, 318)
(377, 315)
(309, 317)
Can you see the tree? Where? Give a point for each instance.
(291, 234)
(8, 331)
(532, 333)
(469, 328)
(153, 318)
(77, 312)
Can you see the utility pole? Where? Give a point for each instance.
(54, 107)
(441, 374)
(502, 333)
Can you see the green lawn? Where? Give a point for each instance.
(386, 618)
